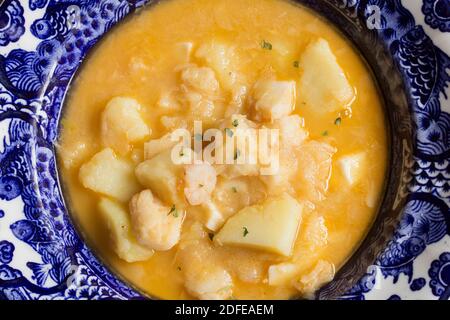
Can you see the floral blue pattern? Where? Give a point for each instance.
(440, 276)
(11, 22)
(33, 82)
(437, 14)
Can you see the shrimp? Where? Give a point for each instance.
(155, 226)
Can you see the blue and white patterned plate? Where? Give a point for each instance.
(42, 43)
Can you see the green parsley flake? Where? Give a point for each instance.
(235, 123)
(237, 154)
(325, 133)
(266, 45)
(338, 121)
(229, 132)
(234, 189)
(296, 64)
(245, 231)
(173, 211)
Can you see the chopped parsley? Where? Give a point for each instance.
(338, 121)
(325, 133)
(237, 154)
(245, 231)
(179, 268)
(173, 211)
(296, 64)
(200, 185)
(234, 189)
(181, 153)
(211, 236)
(235, 123)
(266, 45)
(229, 132)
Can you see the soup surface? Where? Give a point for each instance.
(274, 228)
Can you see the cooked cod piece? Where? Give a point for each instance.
(156, 146)
(214, 218)
(165, 178)
(205, 277)
(238, 154)
(238, 98)
(322, 273)
(155, 225)
(281, 274)
(212, 283)
(353, 167)
(314, 164)
(201, 108)
(72, 154)
(201, 79)
(273, 99)
(316, 233)
(323, 84)
(271, 226)
(200, 181)
(109, 175)
(122, 124)
(123, 241)
(232, 195)
(292, 131)
(183, 51)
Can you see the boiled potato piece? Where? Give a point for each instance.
(165, 178)
(353, 167)
(271, 226)
(273, 99)
(123, 241)
(122, 124)
(323, 84)
(219, 56)
(109, 175)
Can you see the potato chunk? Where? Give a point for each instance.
(155, 226)
(273, 99)
(123, 240)
(122, 124)
(165, 178)
(107, 174)
(323, 84)
(219, 56)
(352, 167)
(271, 226)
